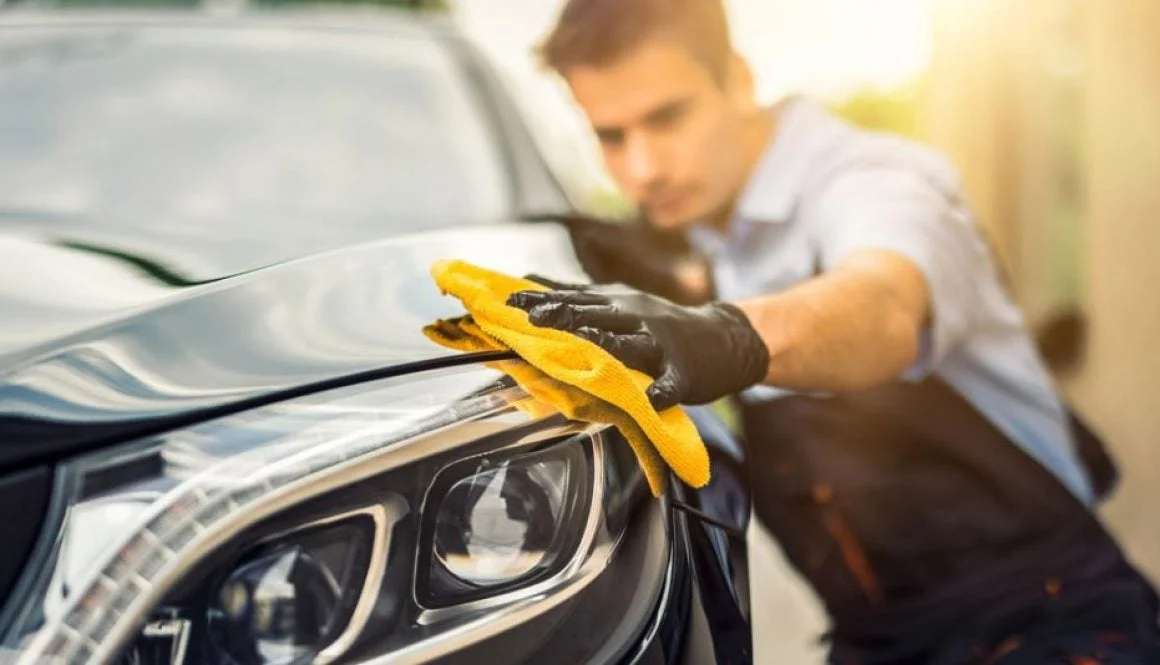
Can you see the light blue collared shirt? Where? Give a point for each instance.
(824, 189)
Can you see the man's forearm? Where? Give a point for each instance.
(845, 330)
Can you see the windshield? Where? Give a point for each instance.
(246, 130)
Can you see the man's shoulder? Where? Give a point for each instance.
(842, 147)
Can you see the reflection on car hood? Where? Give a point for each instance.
(93, 338)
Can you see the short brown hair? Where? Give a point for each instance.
(597, 32)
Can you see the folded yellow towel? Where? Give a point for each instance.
(567, 373)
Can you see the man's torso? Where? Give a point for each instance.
(776, 240)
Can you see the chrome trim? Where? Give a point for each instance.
(384, 515)
(392, 510)
(589, 567)
(489, 625)
(592, 522)
(165, 628)
(388, 456)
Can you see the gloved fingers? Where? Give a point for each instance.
(569, 317)
(526, 300)
(637, 350)
(666, 391)
(553, 284)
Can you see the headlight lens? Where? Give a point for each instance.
(377, 518)
(276, 609)
(497, 526)
(503, 523)
(288, 599)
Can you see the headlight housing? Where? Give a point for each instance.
(390, 522)
(502, 524)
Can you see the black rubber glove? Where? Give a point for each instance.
(695, 355)
(633, 253)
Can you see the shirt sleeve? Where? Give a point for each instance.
(898, 210)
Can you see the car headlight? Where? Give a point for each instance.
(286, 600)
(497, 526)
(368, 524)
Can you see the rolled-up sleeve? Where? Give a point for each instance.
(899, 210)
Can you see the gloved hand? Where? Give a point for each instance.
(695, 354)
(637, 254)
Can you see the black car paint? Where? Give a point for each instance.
(300, 323)
(30, 489)
(197, 346)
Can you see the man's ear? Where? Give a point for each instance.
(740, 85)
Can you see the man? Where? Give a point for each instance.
(912, 457)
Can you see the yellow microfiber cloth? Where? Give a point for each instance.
(567, 373)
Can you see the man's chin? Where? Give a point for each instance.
(672, 220)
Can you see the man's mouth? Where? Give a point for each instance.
(669, 202)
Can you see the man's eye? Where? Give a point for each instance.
(667, 116)
(610, 137)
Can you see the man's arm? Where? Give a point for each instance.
(900, 291)
(854, 326)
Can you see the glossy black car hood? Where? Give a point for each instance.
(95, 342)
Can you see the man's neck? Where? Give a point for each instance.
(759, 132)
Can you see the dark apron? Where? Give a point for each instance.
(930, 536)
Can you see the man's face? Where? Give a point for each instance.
(670, 133)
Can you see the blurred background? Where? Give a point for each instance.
(1051, 111)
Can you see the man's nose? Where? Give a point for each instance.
(641, 161)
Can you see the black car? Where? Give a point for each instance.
(223, 436)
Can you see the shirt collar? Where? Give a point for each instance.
(771, 192)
